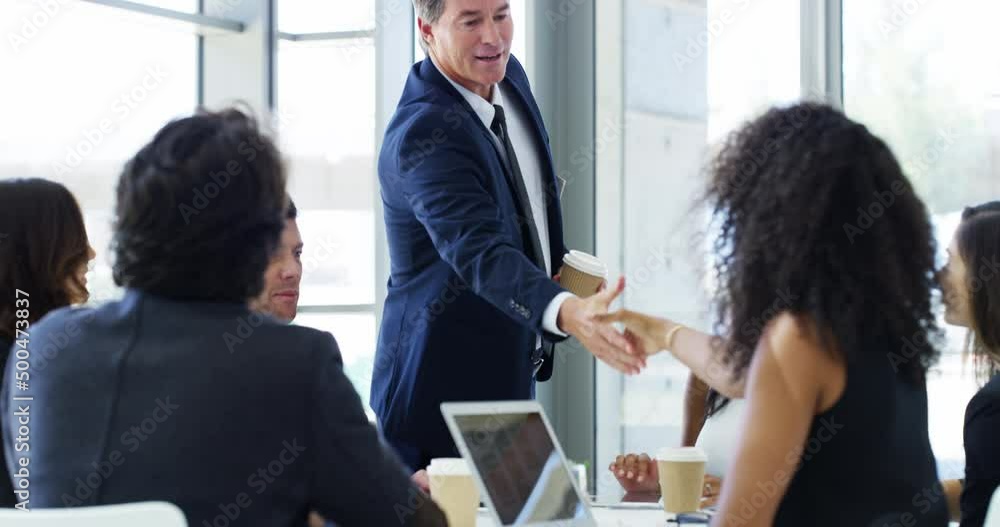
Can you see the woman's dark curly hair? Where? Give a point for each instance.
(816, 218)
(200, 209)
(43, 243)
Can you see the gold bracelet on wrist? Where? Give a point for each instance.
(671, 334)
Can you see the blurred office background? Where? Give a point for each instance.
(636, 95)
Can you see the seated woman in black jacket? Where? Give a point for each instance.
(971, 283)
(43, 265)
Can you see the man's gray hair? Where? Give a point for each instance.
(430, 11)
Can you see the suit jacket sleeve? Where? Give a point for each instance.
(8, 457)
(982, 461)
(446, 187)
(357, 480)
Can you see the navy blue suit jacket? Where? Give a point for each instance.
(465, 302)
(209, 406)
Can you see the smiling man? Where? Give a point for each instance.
(474, 228)
(280, 297)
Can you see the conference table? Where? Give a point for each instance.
(617, 517)
(630, 510)
(633, 510)
(611, 516)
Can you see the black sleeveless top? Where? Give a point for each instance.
(867, 461)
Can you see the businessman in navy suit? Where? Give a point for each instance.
(475, 237)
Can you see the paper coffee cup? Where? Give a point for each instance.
(582, 274)
(682, 476)
(454, 490)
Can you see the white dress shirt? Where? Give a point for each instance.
(529, 158)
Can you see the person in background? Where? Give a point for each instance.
(179, 392)
(280, 296)
(44, 251)
(710, 422)
(280, 299)
(813, 310)
(971, 286)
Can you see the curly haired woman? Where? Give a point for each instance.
(835, 431)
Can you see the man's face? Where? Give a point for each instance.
(471, 42)
(280, 297)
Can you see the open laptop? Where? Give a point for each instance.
(518, 464)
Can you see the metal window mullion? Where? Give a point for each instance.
(835, 52)
(393, 58)
(332, 35)
(338, 308)
(609, 214)
(240, 67)
(199, 20)
(821, 51)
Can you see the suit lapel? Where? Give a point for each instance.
(431, 73)
(552, 207)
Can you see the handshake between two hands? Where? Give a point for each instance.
(589, 321)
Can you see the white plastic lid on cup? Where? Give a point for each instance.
(449, 466)
(682, 454)
(587, 263)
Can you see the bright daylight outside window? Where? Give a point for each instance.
(93, 100)
(326, 113)
(926, 78)
(692, 74)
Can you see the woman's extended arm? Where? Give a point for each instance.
(696, 350)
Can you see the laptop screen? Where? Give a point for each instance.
(522, 470)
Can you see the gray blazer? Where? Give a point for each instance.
(217, 409)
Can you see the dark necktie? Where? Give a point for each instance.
(525, 219)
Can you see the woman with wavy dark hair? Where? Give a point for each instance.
(971, 284)
(44, 249)
(43, 263)
(826, 267)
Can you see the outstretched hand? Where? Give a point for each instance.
(645, 333)
(581, 319)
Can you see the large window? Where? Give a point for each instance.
(326, 111)
(86, 97)
(692, 74)
(80, 98)
(920, 74)
(926, 78)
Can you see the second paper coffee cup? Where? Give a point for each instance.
(682, 476)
